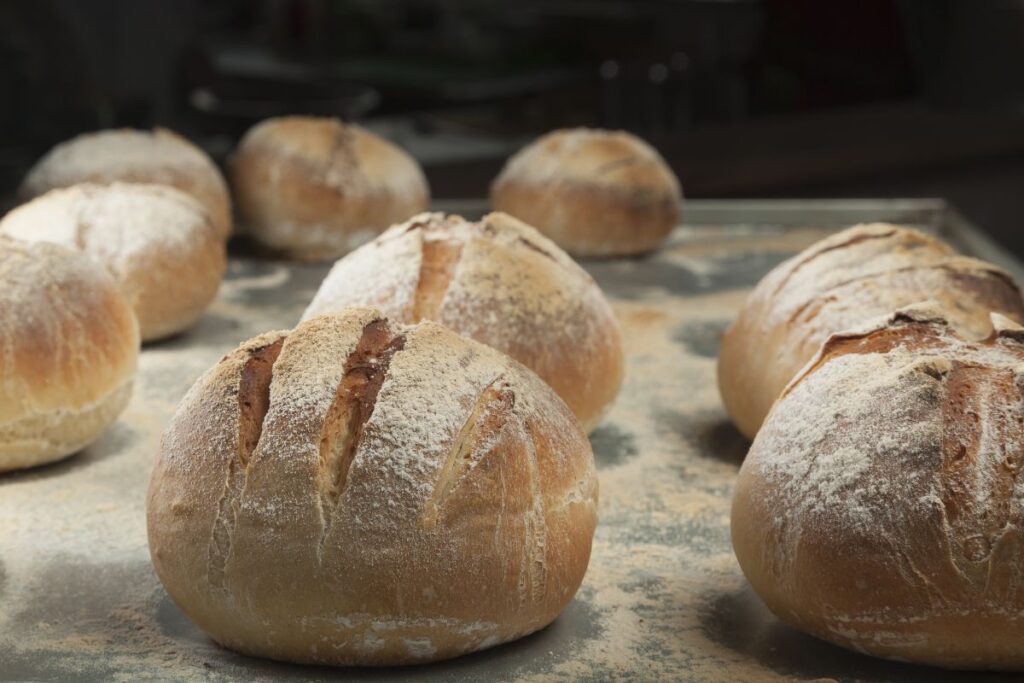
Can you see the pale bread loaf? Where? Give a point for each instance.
(70, 345)
(157, 242)
(157, 156)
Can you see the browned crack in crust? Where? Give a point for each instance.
(903, 331)
(620, 162)
(810, 255)
(253, 396)
(438, 263)
(365, 371)
(537, 248)
(487, 418)
(983, 427)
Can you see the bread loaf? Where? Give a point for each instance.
(357, 491)
(316, 188)
(880, 507)
(157, 242)
(594, 192)
(839, 283)
(70, 345)
(499, 282)
(158, 157)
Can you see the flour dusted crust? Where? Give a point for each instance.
(157, 242)
(68, 348)
(594, 192)
(157, 156)
(880, 506)
(357, 491)
(499, 282)
(316, 188)
(840, 283)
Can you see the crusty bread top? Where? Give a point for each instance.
(606, 159)
(392, 271)
(426, 484)
(339, 155)
(500, 282)
(120, 154)
(838, 283)
(893, 456)
(69, 337)
(115, 223)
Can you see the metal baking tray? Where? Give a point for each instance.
(663, 600)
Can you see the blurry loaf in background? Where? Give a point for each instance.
(499, 282)
(594, 192)
(157, 242)
(358, 491)
(837, 284)
(70, 345)
(134, 156)
(879, 506)
(316, 188)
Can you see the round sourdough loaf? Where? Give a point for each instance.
(157, 242)
(594, 192)
(841, 282)
(499, 282)
(880, 506)
(316, 188)
(357, 491)
(156, 156)
(70, 345)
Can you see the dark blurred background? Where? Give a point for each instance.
(745, 98)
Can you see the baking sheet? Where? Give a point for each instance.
(663, 600)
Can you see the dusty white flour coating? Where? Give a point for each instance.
(113, 154)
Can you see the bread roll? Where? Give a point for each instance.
(316, 188)
(594, 192)
(357, 491)
(158, 156)
(880, 508)
(500, 282)
(839, 283)
(70, 345)
(157, 242)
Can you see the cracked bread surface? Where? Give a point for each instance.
(880, 508)
(497, 281)
(842, 282)
(358, 491)
(593, 192)
(315, 188)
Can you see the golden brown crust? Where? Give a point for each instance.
(594, 192)
(158, 156)
(315, 188)
(879, 506)
(70, 345)
(410, 495)
(497, 281)
(157, 242)
(840, 283)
